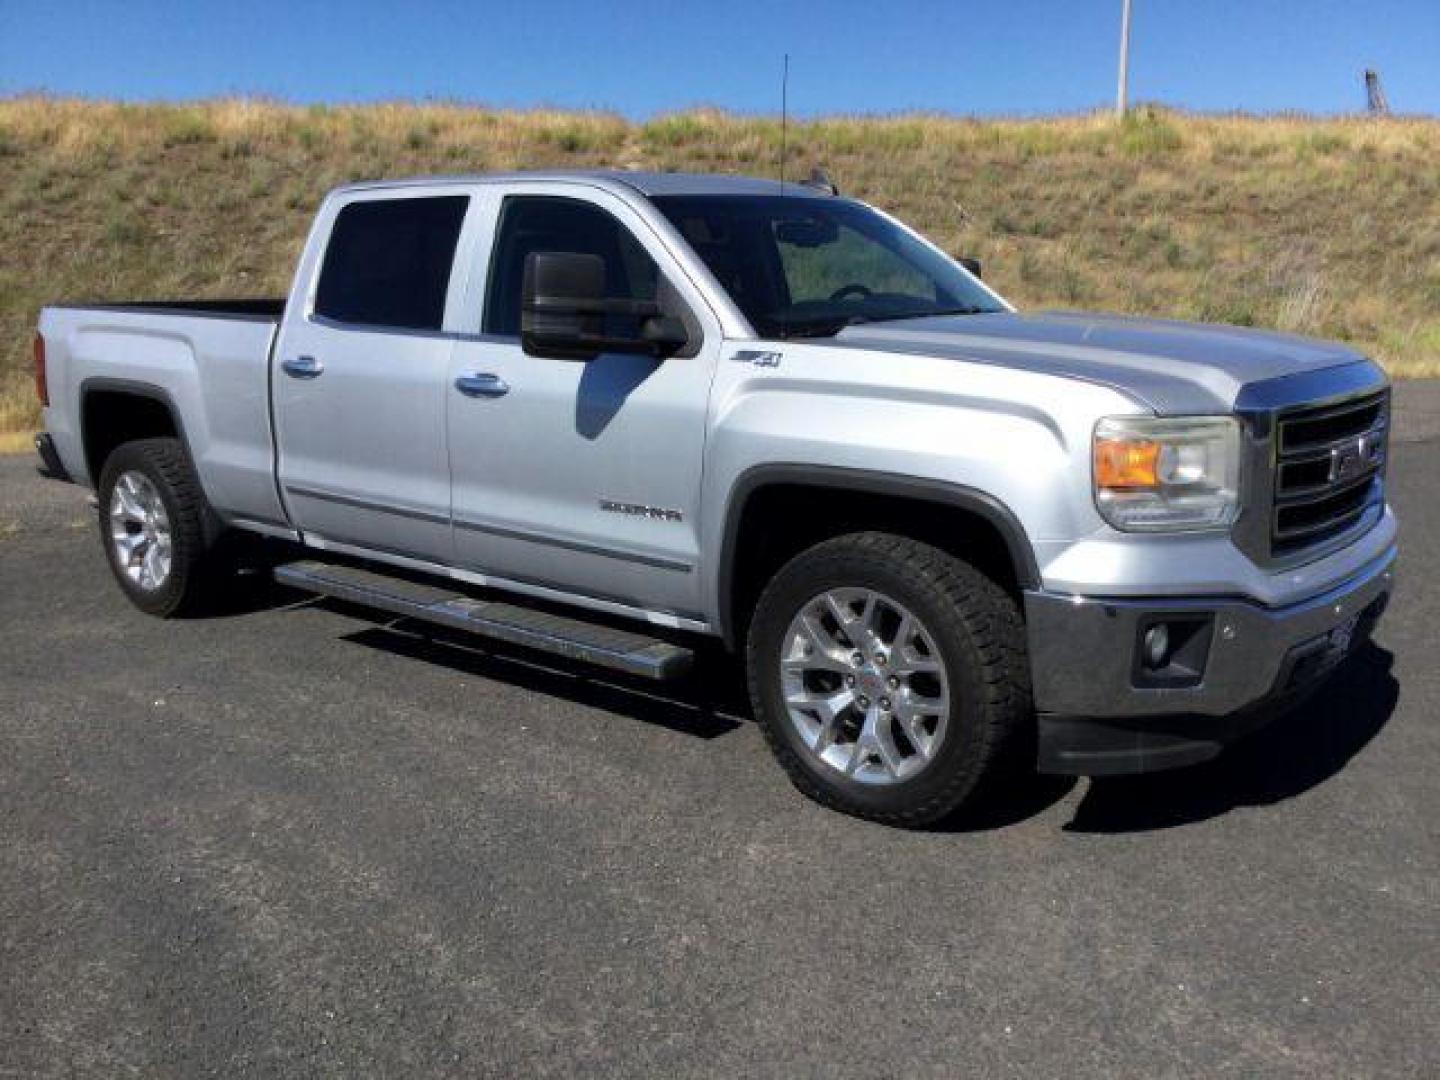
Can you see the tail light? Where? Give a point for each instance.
(42, 388)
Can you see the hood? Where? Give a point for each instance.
(1174, 368)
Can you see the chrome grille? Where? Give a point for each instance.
(1329, 468)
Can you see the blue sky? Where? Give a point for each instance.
(645, 57)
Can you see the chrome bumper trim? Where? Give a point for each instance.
(1082, 648)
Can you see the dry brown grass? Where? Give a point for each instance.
(1328, 227)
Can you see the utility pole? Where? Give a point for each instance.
(1375, 94)
(1122, 90)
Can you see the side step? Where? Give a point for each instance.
(621, 650)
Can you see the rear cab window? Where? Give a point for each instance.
(388, 262)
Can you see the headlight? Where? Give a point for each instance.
(1156, 475)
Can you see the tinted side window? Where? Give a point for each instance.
(388, 262)
(543, 223)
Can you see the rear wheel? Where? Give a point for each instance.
(152, 522)
(889, 676)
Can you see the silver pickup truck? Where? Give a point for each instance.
(610, 414)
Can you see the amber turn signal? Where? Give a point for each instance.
(1126, 464)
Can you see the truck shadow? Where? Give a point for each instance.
(605, 384)
(710, 702)
(1296, 752)
(249, 592)
(703, 704)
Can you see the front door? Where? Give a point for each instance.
(581, 476)
(360, 380)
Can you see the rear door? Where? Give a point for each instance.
(360, 376)
(581, 476)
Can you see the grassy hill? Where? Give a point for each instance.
(1327, 227)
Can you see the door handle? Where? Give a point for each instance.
(482, 384)
(302, 367)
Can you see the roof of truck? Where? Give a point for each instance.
(647, 183)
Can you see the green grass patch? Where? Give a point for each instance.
(1147, 133)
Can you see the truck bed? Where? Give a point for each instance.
(207, 361)
(259, 309)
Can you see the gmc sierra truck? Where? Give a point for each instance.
(609, 414)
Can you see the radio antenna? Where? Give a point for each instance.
(784, 115)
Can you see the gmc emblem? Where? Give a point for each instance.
(1352, 459)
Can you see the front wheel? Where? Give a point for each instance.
(152, 522)
(890, 677)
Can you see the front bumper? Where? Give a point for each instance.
(1097, 718)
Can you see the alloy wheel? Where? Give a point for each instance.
(865, 686)
(140, 531)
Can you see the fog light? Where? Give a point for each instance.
(1157, 646)
(1171, 649)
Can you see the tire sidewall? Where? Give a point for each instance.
(957, 766)
(141, 457)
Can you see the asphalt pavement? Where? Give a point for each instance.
(291, 840)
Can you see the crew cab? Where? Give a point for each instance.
(610, 414)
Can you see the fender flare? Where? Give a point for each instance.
(959, 496)
(106, 384)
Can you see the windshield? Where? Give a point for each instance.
(800, 266)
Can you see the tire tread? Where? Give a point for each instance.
(991, 622)
(185, 591)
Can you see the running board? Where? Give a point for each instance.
(621, 650)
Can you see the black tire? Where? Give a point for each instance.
(980, 636)
(191, 578)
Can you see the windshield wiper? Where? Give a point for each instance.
(793, 332)
(938, 313)
(831, 327)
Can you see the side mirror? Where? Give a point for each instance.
(969, 263)
(562, 304)
(565, 313)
